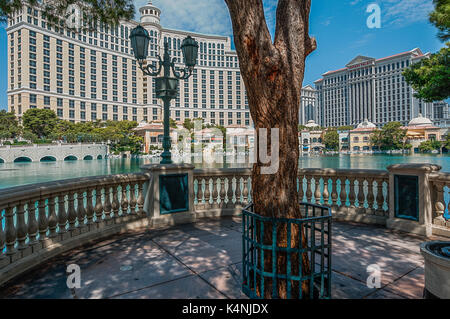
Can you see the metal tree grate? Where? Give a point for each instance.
(258, 272)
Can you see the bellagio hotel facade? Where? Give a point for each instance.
(92, 75)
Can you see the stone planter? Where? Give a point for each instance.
(437, 269)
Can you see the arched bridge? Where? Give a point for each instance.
(52, 152)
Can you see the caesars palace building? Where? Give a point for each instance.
(93, 75)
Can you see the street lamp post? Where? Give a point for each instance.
(166, 86)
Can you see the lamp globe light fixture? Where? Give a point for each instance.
(166, 86)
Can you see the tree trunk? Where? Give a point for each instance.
(273, 74)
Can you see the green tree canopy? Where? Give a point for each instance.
(40, 122)
(440, 17)
(431, 77)
(9, 126)
(390, 137)
(331, 140)
(431, 145)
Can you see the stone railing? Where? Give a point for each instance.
(440, 190)
(221, 191)
(364, 197)
(42, 220)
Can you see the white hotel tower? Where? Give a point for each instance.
(374, 89)
(92, 75)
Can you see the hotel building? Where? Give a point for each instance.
(93, 75)
(308, 105)
(375, 90)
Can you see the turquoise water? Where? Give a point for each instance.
(14, 174)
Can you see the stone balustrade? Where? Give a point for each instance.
(40, 221)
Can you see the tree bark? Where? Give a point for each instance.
(273, 75)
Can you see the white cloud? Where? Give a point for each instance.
(404, 12)
(203, 16)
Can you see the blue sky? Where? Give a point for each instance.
(338, 25)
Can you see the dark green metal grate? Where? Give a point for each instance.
(317, 229)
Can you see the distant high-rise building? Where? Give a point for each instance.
(92, 75)
(308, 105)
(375, 90)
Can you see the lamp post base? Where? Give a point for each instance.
(166, 158)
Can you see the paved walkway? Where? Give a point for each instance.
(203, 260)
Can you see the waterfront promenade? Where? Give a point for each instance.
(203, 260)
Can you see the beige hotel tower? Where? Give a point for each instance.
(92, 75)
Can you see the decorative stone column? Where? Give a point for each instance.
(410, 204)
(170, 194)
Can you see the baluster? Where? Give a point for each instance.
(2, 234)
(440, 204)
(62, 217)
(352, 192)
(90, 207)
(133, 200)
(71, 214)
(238, 191)
(42, 221)
(230, 192)
(52, 219)
(115, 203)
(200, 194)
(222, 191)
(124, 200)
(215, 193)
(317, 193)
(343, 193)
(326, 194)
(81, 211)
(141, 199)
(10, 231)
(207, 192)
(21, 227)
(245, 190)
(370, 196)
(301, 191)
(361, 197)
(334, 194)
(98, 209)
(308, 189)
(380, 197)
(32, 222)
(107, 205)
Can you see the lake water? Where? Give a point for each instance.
(14, 174)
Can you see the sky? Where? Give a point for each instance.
(340, 28)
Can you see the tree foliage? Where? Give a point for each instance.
(40, 122)
(9, 126)
(440, 17)
(430, 145)
(331, 140)
(391, 137)
(431, 77)
(92, 11)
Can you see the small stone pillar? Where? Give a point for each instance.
(170, 194)
(410, 204)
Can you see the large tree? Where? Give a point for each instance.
(431, 77)
(273, 73)
(9, 126)
(40, 122)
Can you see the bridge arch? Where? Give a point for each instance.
(99, 157)
(1, 161)
(23, 159)
(70, 158)
(48, 159)
(88, 158)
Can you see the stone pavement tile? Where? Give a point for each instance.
(112, 275)
(409, 286)
(191, 287)
(209, 252)
(227, 280)
(343, 287)
(353, 256)
(385, 236)
(383, 294)
(45, 283)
